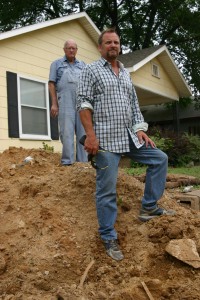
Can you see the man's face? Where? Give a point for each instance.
(70, 50)
(110, 46)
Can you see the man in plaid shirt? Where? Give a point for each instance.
(114, 126)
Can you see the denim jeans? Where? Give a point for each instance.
(106, 180)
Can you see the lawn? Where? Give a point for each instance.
(192, 171)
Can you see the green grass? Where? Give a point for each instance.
(192, 171)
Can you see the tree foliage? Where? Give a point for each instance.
(140, 24)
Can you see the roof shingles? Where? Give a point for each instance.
(132, 58)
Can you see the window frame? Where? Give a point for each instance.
(33, 136)
(152, 70)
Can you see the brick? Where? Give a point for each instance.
(194, 201)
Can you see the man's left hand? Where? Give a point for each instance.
(143, 137)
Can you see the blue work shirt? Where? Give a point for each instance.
(57, 68)
(66, 75)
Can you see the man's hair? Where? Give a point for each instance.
(68, 41)
(107, 30)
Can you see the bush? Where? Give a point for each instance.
(181, 149)
(194, 142)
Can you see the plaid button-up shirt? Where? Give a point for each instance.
(114, 103)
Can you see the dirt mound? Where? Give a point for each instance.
(50, 249)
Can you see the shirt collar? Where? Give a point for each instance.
(65, 59)
(104, 62)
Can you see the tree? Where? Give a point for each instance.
(142, 24)
(27, 12)
(139, 23)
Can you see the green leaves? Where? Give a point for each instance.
(140, 24)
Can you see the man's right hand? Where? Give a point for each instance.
(54, 101)
(54, 111)
(91, 144)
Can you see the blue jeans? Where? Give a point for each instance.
(106, 180)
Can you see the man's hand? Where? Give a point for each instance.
(54, 110)
(91, 144)
(142, 136)
(54, 100)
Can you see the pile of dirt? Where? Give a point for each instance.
(49, 245)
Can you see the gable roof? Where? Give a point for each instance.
(137, 59)
(82, 18)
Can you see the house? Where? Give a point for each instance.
(156, 77)
(25, 58)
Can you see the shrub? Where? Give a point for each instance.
(181, 149)
(194, 142)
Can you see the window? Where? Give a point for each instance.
(28, 109)
(33, 109)
(155, 70)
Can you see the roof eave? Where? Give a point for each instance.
(82, 17)
(182, 80)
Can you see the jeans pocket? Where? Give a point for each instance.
(100, 160)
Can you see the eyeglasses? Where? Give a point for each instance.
(70, 48)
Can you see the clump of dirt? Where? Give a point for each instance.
(49, 245)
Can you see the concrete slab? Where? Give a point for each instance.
(184, 250)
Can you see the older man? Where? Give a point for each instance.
(63, 77)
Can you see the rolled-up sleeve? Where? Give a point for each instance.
(138, 119)
(85, 90)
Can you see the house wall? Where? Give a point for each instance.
(31, 54)
(163, 85)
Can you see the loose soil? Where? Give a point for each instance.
(49, 243)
